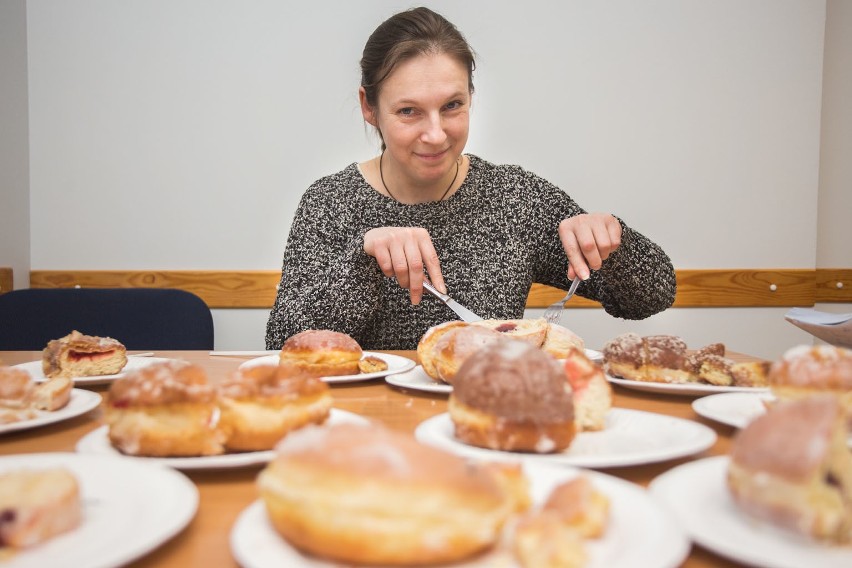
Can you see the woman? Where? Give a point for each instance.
(364, 239)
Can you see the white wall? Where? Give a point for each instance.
(180, 134)
(14, 166)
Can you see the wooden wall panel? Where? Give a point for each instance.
(696, 288)
(834, 285)
(6, 279)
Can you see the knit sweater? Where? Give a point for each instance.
(495, 236)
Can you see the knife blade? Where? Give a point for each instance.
(464, 313)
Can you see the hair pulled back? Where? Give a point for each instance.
(406, 35)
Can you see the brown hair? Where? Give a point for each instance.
(406, 35)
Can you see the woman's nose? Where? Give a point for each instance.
(433, 130)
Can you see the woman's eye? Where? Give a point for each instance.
(454, 105)
(407, 111)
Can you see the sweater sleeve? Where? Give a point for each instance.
(636, 281)
(327, 280)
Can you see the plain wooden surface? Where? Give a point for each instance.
(225, 493)
(695, 288)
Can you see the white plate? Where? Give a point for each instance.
(97, 442)
(640, 533)
(129, 509)
(697, 495)
(396, 364)
(631, 437)
(594, 355)
(133, 363)
(417, 379)
(81, 402)
(733, 408)
(691, 389)
(736, 409)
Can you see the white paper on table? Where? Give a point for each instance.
(835, 329)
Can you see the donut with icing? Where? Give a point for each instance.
(261, 404)
(791, 468)
(164, 409)
(513, 396)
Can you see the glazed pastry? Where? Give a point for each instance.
(164, 409)
(365, 494)
(512, 396)
(16, 395)
(321, 353)
(456, 346)
(791, 467)
(260, 405)
(37, 505)
(426, 345)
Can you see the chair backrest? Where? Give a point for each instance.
(140, 318)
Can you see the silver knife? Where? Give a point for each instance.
(464, 313)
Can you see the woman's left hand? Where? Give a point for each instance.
(588, 240)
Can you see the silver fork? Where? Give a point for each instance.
(553, 313)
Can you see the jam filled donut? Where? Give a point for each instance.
(365, 494)
(79, 355)
(164, 409)
(321, 353)
(513, 396)
(791, 467)
(261, 404)
(533, 331)
(37, 505)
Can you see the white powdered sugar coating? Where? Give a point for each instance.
(514, 349)
(302, 439)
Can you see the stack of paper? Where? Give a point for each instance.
(835, 329)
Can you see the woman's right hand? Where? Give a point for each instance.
(403, 253)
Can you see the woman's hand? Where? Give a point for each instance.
(404, 253)
(588, 240)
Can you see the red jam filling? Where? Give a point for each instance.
(79, 356)
(504, 327)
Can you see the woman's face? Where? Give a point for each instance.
(423, 113)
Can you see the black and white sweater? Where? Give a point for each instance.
(495, 236)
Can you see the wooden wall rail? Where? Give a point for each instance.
(5, 279)
(696, 288)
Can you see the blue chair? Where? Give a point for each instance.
(140, 318)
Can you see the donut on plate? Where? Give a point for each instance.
(512, 396)
(320, 353)
(365, 494)
(260, 405)
(164, 409)
(792, 468)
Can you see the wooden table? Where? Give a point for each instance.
(225, 493)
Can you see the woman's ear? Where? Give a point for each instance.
(366, 110)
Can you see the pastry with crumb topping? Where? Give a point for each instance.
(79, 355)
